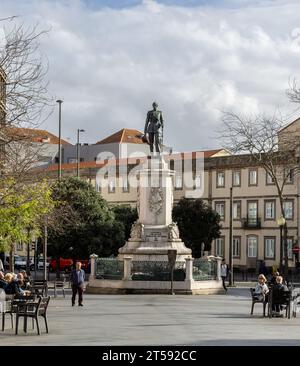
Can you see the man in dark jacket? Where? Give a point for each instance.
(277, 297)
(77, 281)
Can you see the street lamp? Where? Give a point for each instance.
(59, 101)
(281, 223)
(78, 151)
(231, 279)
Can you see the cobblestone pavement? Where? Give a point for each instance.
(158, 320)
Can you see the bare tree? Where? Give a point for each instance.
(23, 88)
(293, 93)
(268, 145)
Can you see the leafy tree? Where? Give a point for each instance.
(126, 215)
(86, 223)
(21, 209)
(198, 223)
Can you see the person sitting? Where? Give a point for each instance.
(12, 287)
(24, 282)
(273, 278)
(261, 289)
(278, 289)
(3, 283)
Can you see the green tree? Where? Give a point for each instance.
(86, 224)
(198, 223)
(21, 209)
(127, 216)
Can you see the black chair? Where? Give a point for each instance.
(256, 298)
(282, 299)
(59, 284)
(33, 310)
(40, 288)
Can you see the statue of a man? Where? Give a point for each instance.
(153, 127)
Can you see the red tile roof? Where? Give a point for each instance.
(125, 135)
(36, 135)
(135, 160)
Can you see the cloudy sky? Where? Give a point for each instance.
(109, 59)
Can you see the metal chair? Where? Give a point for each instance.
(33, 310)
(258, 299)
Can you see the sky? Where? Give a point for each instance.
(110, 59)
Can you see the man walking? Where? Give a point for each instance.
(224, 273)
(77, 281)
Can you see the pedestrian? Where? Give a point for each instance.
(224, 273)
(77, 281)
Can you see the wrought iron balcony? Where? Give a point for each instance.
(251, 223)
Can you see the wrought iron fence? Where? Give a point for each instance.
(109, 269)
(204, 269)
(157, 271)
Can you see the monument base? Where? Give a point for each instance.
(152, 242)
(113, 287)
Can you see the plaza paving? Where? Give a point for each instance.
(159, 320)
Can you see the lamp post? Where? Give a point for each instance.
(281, 223)
(231, 241)
(78, 152)
(59, 101)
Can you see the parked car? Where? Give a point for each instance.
(21, 262)
(66, 264)
(40, 265)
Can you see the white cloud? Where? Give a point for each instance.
(108, 65)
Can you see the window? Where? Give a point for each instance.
(236, 210)
(290, 242)
(253, 177)
(220, 179)
(288, 175)
(236, 178)
(270, 247)
(236, 246)
(252, 209)
(270, 210)
(220, 209)
(288, 207)
(111, 186)
(20, 246)
(125, 184)
(252, 246)
(98, 186)
(198, 181)
(178, 181)
(269, 179)
(219, 250)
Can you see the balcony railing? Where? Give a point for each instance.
(251, 223)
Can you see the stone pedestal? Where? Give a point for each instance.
(154, 233)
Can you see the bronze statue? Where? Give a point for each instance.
(154, 127)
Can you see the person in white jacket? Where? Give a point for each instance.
(261, 289)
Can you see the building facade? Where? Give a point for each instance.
(255, 209)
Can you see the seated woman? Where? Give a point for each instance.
(261, 289)
(26, 280)
(12, 287)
